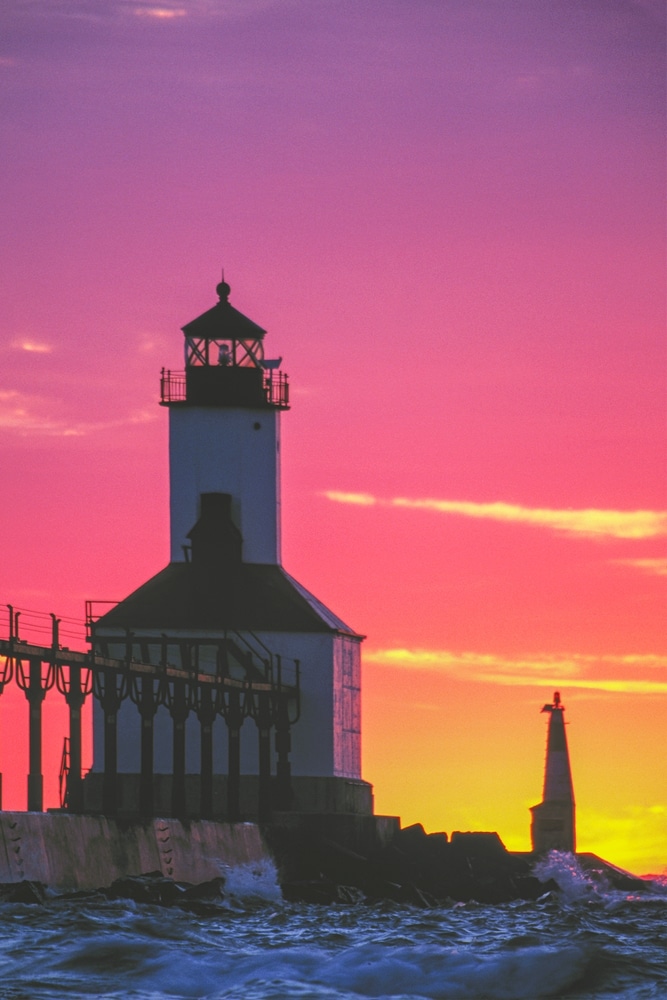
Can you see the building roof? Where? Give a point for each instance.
(262, 598)
(223, 322)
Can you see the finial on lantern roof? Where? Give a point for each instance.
(223, 288)
(223, 322)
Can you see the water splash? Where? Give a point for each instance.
(252, 883)
(564, 869)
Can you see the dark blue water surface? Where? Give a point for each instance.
(581, 943)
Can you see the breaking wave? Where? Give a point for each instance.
(255, 882)
(582, 942)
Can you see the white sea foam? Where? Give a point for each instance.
(564, 869)
(254, 882)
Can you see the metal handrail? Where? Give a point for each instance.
(22, 623)
(173, 388)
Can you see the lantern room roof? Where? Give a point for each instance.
(223, 322)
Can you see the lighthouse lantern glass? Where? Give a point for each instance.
(224, 351)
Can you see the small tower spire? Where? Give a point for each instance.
(553, 820)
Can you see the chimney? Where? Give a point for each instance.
(216, 543)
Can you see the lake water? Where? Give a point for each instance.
(584, 942)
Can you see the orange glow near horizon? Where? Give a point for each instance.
(449, 218)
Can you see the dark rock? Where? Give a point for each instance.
(208, 892)
(155, 889)
(152, 888)
(414, 835)
(479, 845)
(320, 891)
(23, 892)
(415, 867)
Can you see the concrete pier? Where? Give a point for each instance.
(85, 852)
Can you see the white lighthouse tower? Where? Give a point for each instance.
(226, 607)
(224, 429)
(553, 820)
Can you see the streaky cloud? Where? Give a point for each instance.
(605, 684)
(360, 499)
(160, 13)
(589, 522)
(229, 10)
(32, 346)
(614, 673)
(656, 567)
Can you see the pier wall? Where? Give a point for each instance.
(85, 852)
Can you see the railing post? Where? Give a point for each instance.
(179, 712)
(35, 691)
(75, 698)
(283, 743)
(206, 714)
(7, 672)
(263, 721)
(234, 721)
(147, 709)
(35, 695)
(110, 690)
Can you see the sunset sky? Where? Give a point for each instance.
(450, 218)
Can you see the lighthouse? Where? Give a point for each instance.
(553, 824)
(224, 429)
(282, 729)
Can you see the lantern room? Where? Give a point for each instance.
(225, 363)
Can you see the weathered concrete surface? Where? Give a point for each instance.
(326, 796)
(86, 852)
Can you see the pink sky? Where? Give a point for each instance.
(450, 218)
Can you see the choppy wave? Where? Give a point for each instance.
(583, 942)
(252, 883)
(566, 872)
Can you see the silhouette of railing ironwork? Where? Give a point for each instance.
(247, 681)
(274, 384)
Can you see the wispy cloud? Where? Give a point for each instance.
(32, 346)
(30, 416)
(657, 567)
(617, 674)
(160, 13)
(589, 522)
(361, 499)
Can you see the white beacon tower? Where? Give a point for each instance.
(224, 429)
(553, 820)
